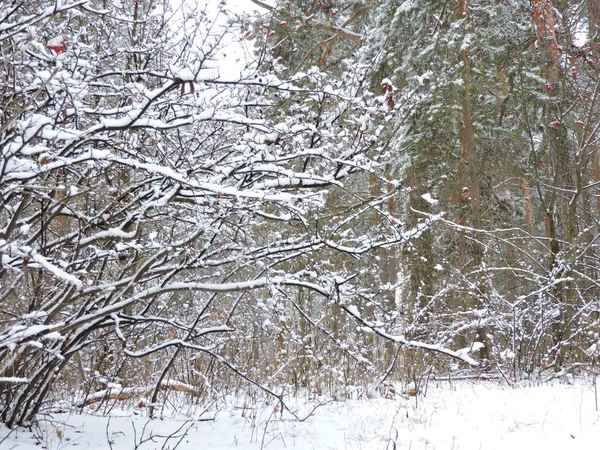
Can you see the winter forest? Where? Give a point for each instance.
(309, 196)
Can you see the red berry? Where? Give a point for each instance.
(57, 44)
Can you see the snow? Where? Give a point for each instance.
(15, 380)
(353, 310)
(406, 6)
(139, 391)
(19, 333)
(53, 336)
(35, 315)
(56, 271)
(445, 415)
(429, 198)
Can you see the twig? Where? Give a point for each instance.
(341, 32)
(110, 444)
(174, 434)
(263, 5)
(262, 441)
(391, 367)
(313, 410)
(595, 392)
(13, 429)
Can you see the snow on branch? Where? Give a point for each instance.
(14, 380)
(377, 328)
(9, 30)
(33, 256)
(19, 333)
(258, 283)
(340, 32)
(180, 343)
(56, 271)
(138, 391)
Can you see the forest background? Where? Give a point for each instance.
(387, 189)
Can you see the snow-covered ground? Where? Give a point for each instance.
(478, 415)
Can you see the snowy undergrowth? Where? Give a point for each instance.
(481, 415)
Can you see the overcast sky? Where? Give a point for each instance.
(237, 52)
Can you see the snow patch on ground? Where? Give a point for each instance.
(484, 416)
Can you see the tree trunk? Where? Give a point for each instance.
(471, 192)
(561, 212)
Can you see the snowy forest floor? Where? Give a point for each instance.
(457, 415)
